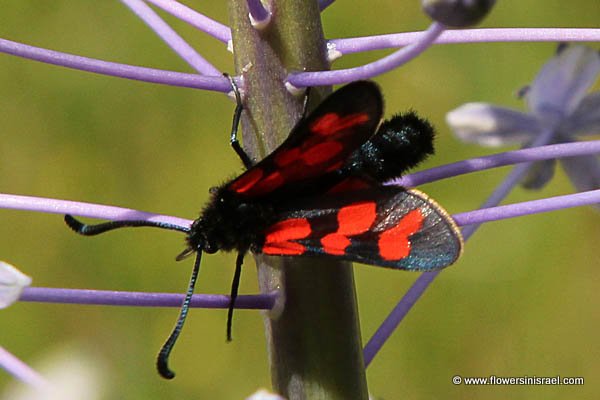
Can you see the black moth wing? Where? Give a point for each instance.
(386, 226)
(317, 148)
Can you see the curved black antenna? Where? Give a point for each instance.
(96, 229)
(163, 355)
(235, 284)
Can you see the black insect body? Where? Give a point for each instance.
(320, 193)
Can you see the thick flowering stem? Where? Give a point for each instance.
(314, 339)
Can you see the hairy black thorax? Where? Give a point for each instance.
(229, 222)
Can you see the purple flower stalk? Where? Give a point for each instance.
(169, 36)
(21, 370)
(194, 18)
(144, 299)
(259, 15)
(336, 48)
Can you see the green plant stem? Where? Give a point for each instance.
(314, 340)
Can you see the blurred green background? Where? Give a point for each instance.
(523, 300)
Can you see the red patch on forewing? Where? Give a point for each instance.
(349, 184)
(278, 238)
(314, 154)
(393, 243)
(258, 184)
(269, 183)
(322, 152)
(247, 180)
(331, 123)
(286, 157)
(335, 166)
(352, 220)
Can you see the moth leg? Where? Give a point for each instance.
(305, 103)
(237, 114)
(235, 284)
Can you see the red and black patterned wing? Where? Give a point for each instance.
(385, 226)
(320, 144)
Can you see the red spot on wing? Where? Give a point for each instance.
(284, 249)
(352, 220)
(278, 238)
(350, 184)
(314, 154)
(269, 183)
(394, 243)
(335, 244)
(322, 152)
(331, 123)
(335, 166)
(356, 218)
(246, 181)
(286, 157)
(257, 184)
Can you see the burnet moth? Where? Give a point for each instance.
(321, 193)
